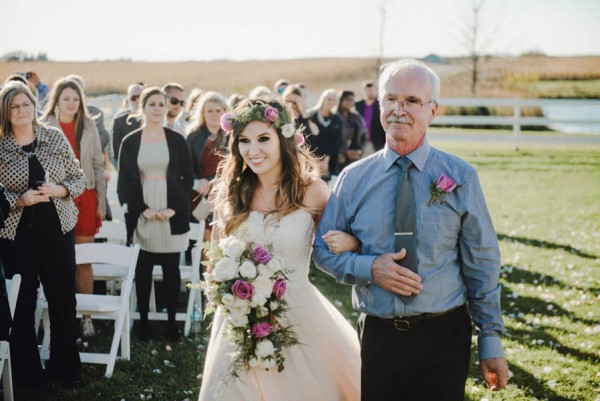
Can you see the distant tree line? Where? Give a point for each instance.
(18, 55)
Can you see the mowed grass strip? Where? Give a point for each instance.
(545, 205)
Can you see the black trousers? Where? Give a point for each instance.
(428, 362)
(171, 281)
(51, 260)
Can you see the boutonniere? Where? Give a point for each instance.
(440, 187)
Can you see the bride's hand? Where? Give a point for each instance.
(339, 242)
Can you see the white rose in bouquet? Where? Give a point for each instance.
(264, 348)
(253, 362)
(263, 286)
(238, 319)
(232, 247)
(227, 299)
(258, 300)
(274, 305)
(248, 270)
(240, 306)
(274, 266)
(225, 269)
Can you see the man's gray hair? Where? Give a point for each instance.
(391, 69)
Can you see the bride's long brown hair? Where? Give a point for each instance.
(236, 183)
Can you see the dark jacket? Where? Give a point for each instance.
(377, 132)
(329, 140)
(180, 179)
(196, 140)
(122, 127)
(5, 319)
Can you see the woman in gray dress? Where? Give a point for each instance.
(155, 180)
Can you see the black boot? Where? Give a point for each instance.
(145, 333)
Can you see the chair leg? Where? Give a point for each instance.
(7, 385)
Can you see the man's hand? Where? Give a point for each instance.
(390, 276)
(495, 373)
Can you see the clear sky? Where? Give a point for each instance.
(178, 30)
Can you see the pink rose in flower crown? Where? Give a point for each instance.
(261, 330)
(279, 288)
(299, 139)
(226, 122)
(271, 113)
(242, 289)
(439, 188)
(261, 254)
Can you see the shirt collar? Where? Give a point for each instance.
(418, 156)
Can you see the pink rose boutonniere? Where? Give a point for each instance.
(442, 186)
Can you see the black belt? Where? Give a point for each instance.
(406, 323)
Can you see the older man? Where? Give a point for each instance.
(429, 249)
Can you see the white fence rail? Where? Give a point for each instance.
(517, 120)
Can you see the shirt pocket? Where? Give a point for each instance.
(439, 226)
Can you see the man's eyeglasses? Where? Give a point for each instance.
(174, 101)
(410, 104)
(18, 107)
(134, 98)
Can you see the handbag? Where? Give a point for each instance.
(201, 207)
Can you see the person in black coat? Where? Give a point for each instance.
(368, 108)
(5, 316)
(121, 124)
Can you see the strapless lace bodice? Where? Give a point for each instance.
(289, 237)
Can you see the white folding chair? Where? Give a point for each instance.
(113, 232)
(12, 289)
(189, 273)
(114, 307)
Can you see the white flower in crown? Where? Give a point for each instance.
(288, 130)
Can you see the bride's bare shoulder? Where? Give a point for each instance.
(317, 194)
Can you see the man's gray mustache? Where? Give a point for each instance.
(398, 120)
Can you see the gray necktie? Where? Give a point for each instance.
(406, 217)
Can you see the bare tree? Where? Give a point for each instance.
(383, 8)
(474, 36)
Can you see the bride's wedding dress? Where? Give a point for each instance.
(325, 366)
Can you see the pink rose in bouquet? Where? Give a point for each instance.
(242, 289)
(261, 330)
(261, 254)
(271, 113)
(279, 288)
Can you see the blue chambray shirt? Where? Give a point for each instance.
(457, 247)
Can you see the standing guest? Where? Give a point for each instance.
(190, 105)
(280, 85)
(42, 177)
(368, 108)
(416, 272)
(176, 100)
(234, 100)
(207, 140)
(41, 88)
(261, 92)
(326, 144)
(155, 180)
(292, 97)
(353, 131)
(122, 125)
(98, 117)
(67, 111)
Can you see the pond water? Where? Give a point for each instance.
(577, 114)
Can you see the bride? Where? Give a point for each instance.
(268, 191)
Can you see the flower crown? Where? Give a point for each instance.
(265, 113)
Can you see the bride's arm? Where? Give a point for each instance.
(339, 242)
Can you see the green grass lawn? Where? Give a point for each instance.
(545, 203)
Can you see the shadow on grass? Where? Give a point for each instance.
(515, 274)
(545, 244)
(526, 381)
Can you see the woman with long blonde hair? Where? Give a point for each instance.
(268, 191)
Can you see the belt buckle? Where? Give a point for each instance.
(402, 325)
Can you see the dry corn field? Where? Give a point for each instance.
(499, 77)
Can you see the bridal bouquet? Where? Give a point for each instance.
(249, 285)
